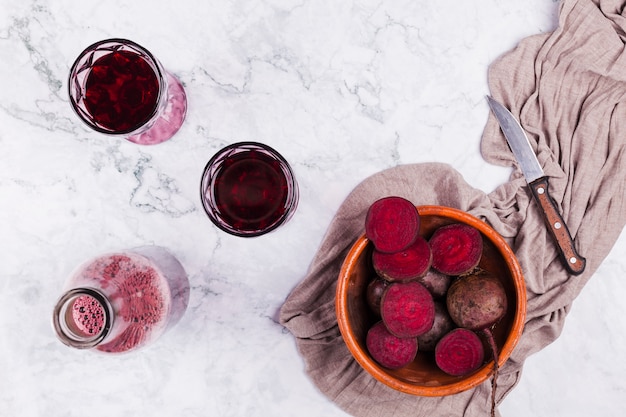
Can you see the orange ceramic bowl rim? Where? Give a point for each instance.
(474, 379)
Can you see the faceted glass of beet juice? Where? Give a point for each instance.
(119, 302)
(248, 189)
(118, 87)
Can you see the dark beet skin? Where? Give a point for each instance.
(374, 293)
(410, 263)
(442, 325)
(407, 309)
(388, 350)
(457, 248)
(392, 224)
(459, 352)
(476, 301)
(436, 282)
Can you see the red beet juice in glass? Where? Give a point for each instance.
(251, 191)
(121, 91)
(117, 87)
(248, 189)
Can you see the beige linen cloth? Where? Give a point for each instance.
(568, 89)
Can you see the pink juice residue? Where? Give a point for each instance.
(141, 296)
(88, 315)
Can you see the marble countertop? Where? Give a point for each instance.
(343, 89)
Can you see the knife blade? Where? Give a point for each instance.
(538, 183)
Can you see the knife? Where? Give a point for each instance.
(538, 183)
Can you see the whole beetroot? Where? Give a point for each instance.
(477, 302)
(374, 293)
(442, 325)
(436, 282)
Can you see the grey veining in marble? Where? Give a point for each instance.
(343, 89)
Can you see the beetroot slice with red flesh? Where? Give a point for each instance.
(410, 263)
(388, 350)
(407, 309)
(459, 352)
(457, 248)
(392, 224)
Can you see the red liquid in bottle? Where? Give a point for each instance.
(251, 191)
(121, 91)
(141, 294)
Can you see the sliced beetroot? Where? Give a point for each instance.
(388, 350)
(392, 224)
(442, 325)
(407, 309)
(459, 352)
(410, 263)
(436, 282)
(374, 293)
(457, 248)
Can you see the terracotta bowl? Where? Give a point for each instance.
(422, 377)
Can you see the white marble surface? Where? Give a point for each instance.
(343, 89)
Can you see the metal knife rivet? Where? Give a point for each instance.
(573, 260)
(557, 225)
(540, 190)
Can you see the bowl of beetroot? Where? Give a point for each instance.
(430, 300)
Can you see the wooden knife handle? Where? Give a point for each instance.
(574, 263)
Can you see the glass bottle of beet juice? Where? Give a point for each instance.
(119, 302)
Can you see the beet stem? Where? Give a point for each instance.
(494, 383)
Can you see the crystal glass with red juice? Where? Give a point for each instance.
(120, 302)
(248, 189)
(117, 87)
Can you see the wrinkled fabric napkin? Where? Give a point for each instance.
(568, 89)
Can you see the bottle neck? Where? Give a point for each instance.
(83, 317)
